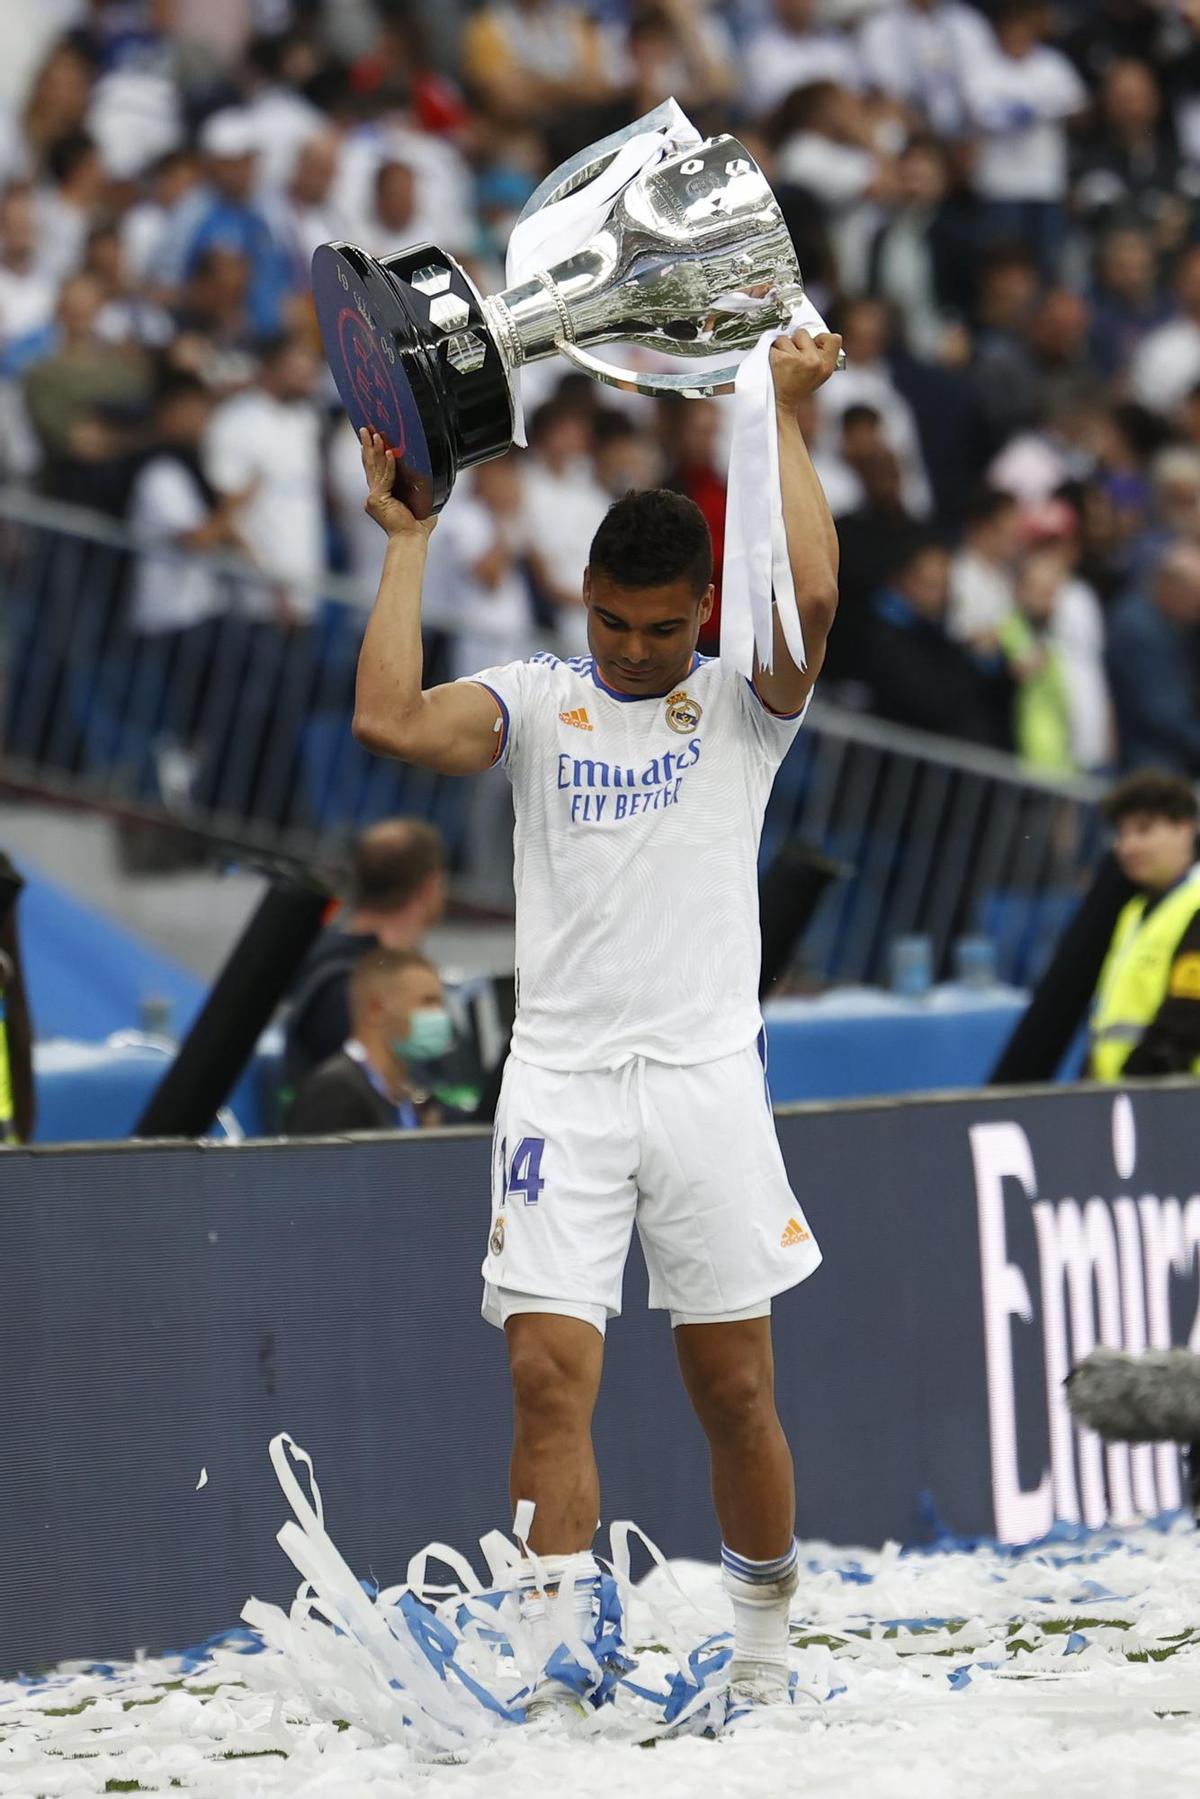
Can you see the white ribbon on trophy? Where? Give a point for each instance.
(757, 568)
(553, 233)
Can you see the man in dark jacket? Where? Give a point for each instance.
(398, 1023)
(874, 539)
(919, 674)
(1153, 663)
(397, 893)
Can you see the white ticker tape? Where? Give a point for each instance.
(523, 1520)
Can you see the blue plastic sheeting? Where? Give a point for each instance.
(855, 1043)
(86, 975)
(95, 1092)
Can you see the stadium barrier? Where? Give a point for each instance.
(239, 725)
(167, 1309)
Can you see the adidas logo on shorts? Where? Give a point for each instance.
(793, 1233)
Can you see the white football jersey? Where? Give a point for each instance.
(636, 861)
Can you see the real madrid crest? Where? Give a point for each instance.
(683, 712)
(496, 1241)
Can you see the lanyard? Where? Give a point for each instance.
(407, 1116)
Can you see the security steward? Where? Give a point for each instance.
(398, 1024)
(1146, 1012)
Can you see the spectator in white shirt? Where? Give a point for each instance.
(68, 206)
(1166, 366)
(176, 596)
(172, 504)
(626, 459)
(676, 48)
(303, 213)
(867, 381)
(1020, 94)
(263, 455)
(922, 260)
(283, 119)
(793, 51)
(1063, 445)
(983, 587)
(430, 198)
(149, 224)
(825, 146)
(404, 209)
(564, 504)
(840, 467)
(476, 568)
(916, 52)
(27, 294)
(363, 543)
(476, 582)
(127, 315)
(56, 102)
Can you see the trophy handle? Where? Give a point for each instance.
(720, 381)
(585, 165)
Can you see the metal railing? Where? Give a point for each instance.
(938, 838)
(237, 726)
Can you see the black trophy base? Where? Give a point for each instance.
(414, 359)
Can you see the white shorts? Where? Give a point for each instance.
(689, 1153)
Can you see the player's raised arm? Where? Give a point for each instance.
(799, 365)
(454, 729)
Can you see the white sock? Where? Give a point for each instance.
(762, 1595)
(539, 1586)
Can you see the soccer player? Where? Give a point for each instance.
(634, 1090)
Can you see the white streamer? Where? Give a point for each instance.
(757, 566)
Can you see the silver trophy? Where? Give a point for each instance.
(693, 259)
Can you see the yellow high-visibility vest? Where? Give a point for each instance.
(8, 1123)
(1137, 974)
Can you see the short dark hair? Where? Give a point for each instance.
(860, 414)
(372, 970)
(392, 862)
(613, 427)
(67, 152)
(552, 412)
(651, 538)
(987, 504)
(1006, 253)
(211, 258)
(264, 54)
(1155, 791)
(912, 546)
(180, 384)
(649, 21)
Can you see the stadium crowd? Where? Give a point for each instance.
(997, 206)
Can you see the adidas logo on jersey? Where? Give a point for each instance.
(793, 1233)
(577, 717)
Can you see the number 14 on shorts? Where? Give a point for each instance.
(523, 1175)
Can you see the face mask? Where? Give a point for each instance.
(430, 1034)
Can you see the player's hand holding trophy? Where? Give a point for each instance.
(692, 258)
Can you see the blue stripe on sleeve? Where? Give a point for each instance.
(785, 718)
(505, 722)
